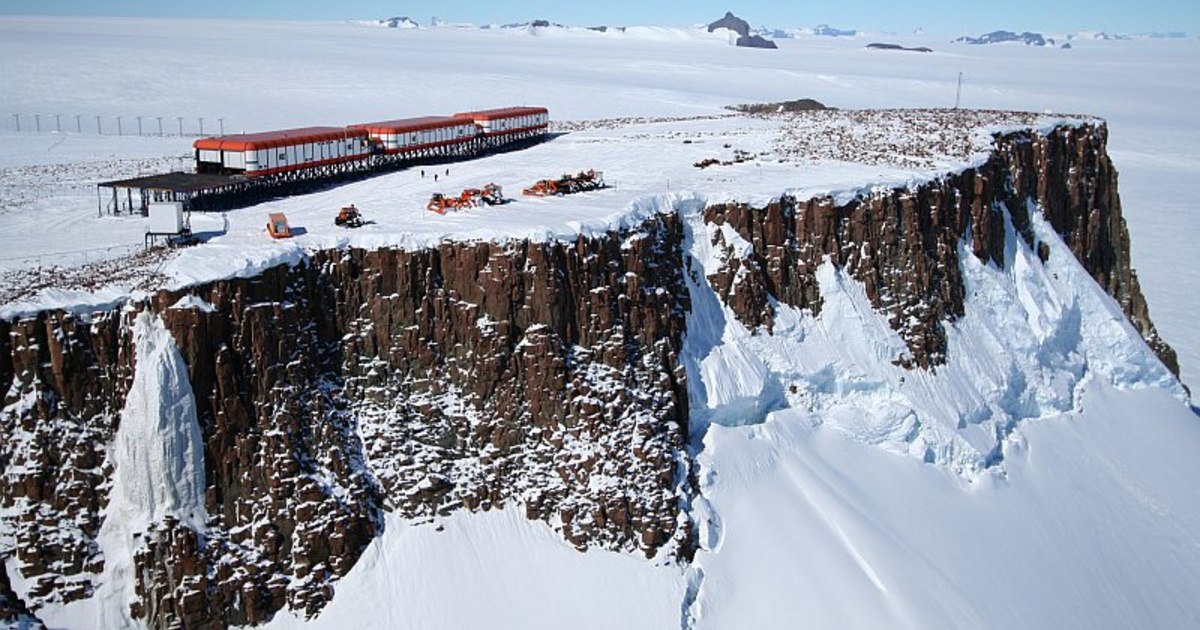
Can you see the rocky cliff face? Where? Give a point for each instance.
(473, 375)
(903, 244)
(65, 379)
(535, 376)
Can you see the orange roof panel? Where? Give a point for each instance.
(281, 138)
(406, 125)
(503, 112)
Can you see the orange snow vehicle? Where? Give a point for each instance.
(440, 203)
(277, 225)
(349, 217)
(490, 194)
(583, 181)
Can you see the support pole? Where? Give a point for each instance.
(958, 92)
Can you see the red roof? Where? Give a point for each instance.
(272, 139)
(405, 125)
(503, 112)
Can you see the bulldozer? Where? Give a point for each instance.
(349, 217)
(583, 181)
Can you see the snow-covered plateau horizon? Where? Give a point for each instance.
(866, 496)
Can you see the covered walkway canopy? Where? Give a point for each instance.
(192, 189)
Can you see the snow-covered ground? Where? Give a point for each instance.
(823, 511)
(1094, 527)
(495, 569)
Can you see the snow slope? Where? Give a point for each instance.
(1042, 479)
(494, 569)
(1093, 527)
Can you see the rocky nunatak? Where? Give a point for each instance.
(903, 244)
(470, 376)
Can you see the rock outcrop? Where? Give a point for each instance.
(903, 244)
(745, 38)
(886, 46)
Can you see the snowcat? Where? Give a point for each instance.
(349, 217)
(568, 184)
(440, 203)
(491, 194)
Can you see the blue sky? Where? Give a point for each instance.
(936, 16)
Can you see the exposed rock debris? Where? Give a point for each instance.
(917, 139)
(567, 126)
(22, 185)
(782, 107)
(138, 271)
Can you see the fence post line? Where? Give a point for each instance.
(18, 119)
(180, 119)
(37, 120)
(78, 124)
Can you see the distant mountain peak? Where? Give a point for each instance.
(999, 37)
(829, 31)
(399, 22)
